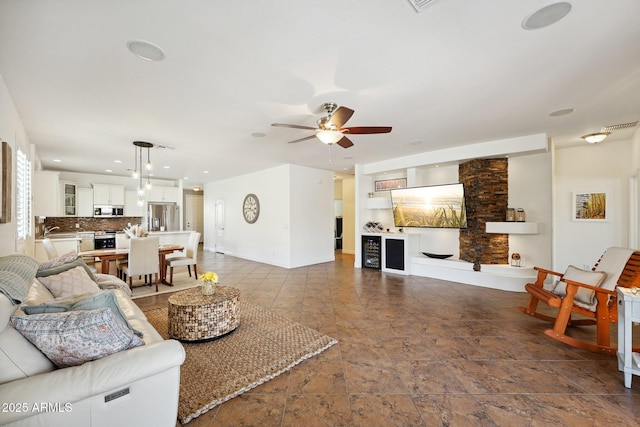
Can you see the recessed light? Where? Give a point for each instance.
(546, 16)
(562, 112)
(258, 134)
(117, 161)
(167, 167)
(108, 170)
(186, 177)
(205, 171)
(145, 50)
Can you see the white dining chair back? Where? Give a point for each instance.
(49, 248)
(190, 259)
(143, 259)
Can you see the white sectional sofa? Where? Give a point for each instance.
(134, 387)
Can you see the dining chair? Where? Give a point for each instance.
(191, 257)
(143, 259)
(122, 242)
(49, 248)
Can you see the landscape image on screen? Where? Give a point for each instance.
(439, 206)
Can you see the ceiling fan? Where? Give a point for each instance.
(330, 129)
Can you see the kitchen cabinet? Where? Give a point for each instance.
(163, 194)
(46, 191)
(106, 194)
(85, 202)
(69, 202)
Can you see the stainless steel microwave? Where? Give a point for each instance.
(107, 211)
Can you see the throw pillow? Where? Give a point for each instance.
(78, 262)
(57, 262)
(71, 282)
(75, 337)
(103, 299)
(16, 276)
(584, 295)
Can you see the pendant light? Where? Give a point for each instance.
(137, 174)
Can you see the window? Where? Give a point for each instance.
(23, 195)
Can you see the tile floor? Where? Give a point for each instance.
(415, 351)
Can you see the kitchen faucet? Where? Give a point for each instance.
(48, 230)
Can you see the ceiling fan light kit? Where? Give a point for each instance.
(330, 129)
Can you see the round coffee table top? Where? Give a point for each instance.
(194, 296)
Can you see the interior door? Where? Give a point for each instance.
(220, 223)
(193, 213)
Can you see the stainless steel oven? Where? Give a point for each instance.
(104, 240)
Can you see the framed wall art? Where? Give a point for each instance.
(388, 184)
(589, 207)
(5, 185)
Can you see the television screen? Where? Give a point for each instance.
(436, 206)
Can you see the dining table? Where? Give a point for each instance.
(112, 254)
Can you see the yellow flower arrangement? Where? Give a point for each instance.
(209, 276)
(210, 280)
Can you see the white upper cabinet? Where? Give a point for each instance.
(46, 193)
(69, 192)
(131, 207)
(163, 194)
(85, 201)
(105, 194)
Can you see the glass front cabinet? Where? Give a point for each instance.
(69, 199)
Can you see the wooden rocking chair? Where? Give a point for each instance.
(597, 301)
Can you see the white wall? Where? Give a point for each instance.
(13, 132)
(271, 238)
(530, 188)
(604, 167)
(312, 216)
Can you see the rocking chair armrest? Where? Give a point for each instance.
(545, 271)
(584, 285)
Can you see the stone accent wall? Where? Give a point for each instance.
(67, 224)
(486, 186)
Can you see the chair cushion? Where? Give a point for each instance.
(75, 337)
(68, 283)
(593, 278)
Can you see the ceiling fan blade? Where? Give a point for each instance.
(284, 125)
(340, 116)
(345, 142)
(366, 129)
(301, 139)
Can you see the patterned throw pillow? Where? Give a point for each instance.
(75, 337)
(102, 299)
(57, 262)
(71, 282)
(77, 262)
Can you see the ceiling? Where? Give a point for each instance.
(458, 72)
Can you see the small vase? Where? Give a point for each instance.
(208, 288)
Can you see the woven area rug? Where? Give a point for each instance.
(262, 347)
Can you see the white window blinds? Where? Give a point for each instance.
(23, 195)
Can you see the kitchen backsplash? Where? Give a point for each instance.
(67, 224)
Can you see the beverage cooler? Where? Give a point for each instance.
(371, 252)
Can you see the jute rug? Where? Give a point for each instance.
(262, 347)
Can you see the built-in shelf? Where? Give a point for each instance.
(378, 203)
(512, 227)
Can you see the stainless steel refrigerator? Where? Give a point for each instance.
(163, 217)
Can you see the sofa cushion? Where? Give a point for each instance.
(74, 337)
(584, 295)
(71, 282)
(16, 274)
(78, 262)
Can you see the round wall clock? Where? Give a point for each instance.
(251, 208)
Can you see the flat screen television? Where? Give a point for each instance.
(435, 206)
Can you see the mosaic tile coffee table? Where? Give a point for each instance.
(197, 317)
